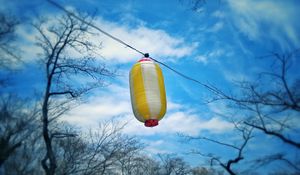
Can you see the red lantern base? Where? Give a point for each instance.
(151, 123)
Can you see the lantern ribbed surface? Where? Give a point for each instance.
(147, 91)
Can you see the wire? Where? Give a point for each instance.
(127, 45)
(184, 76)
(95, 27)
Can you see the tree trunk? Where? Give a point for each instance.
(49, 156)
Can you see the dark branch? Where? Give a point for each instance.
(278, 135)
(63, 93)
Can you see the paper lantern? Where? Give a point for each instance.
(147, 91)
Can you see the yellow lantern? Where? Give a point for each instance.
(147, 91)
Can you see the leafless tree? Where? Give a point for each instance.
(26, 159)
(194, 5)
(173, 165)
(140, 164)
(18, 122)
(69, 147)
(274, 100)
(237, 149)
(130, 160)
(270, 105)
(199, 6)
(8, 52)
(58, 38)
(265, 160)
(204, 171)
(98, 152)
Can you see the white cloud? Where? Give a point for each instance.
(218, 14)
(218, 107)
(157, 42)
(181, 122)
(202, 59)
(154, 41)
(26, 42)
(260, 19)
(115, 101)
(99, 109)
(236, 76)
(216, 53)
(174, 106)
(157, 147)
(216, 27)
(103, 105)
(209, 56)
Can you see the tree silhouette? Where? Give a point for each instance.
(172, 164)
(8, 52)
(237, 149)
(57, 38)
(270, 105)
(17, 117)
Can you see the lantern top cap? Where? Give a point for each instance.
(144, 59)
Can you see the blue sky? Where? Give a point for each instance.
(219, 43)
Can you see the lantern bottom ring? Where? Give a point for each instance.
(151, 122)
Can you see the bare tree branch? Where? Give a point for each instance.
(8, 52)
(16, 120)
(246, 135)
(270, 109)
(56, 38)
(273, 133)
